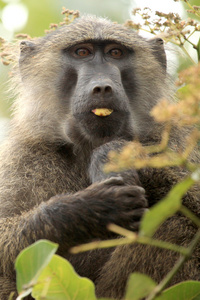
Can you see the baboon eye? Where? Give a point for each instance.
(83, 52)
(116, 53)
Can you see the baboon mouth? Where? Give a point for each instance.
(102, 112)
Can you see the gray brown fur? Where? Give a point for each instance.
(39, 161)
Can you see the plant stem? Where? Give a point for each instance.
(188, 55)
(130, 238)
(101, 245)
(160, 287)
(187, 38)
(146, 240)
(162, 244)
(190, 215)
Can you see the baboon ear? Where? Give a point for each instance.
(157, 45)
(27, 50)
(26, 46)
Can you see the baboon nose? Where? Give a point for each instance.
(102, 89)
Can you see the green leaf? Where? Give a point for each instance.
(188, 290)
(31, 261)
(139, 286)
(165, 208)
(59, 281)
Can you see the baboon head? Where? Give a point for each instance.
(92, 80)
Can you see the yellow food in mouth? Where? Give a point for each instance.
(102, 112)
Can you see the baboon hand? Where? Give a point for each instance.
(90, 211)
(115, 202)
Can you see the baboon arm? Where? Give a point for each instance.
(61, 220)
(100, 158)
(72, 219)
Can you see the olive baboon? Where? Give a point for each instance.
(52, 185)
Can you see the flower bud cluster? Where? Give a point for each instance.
(69, 17)
(169, 26)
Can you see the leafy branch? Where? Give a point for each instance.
(170, 26)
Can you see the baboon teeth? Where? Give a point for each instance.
(102, 112)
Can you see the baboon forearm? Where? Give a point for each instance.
(100, 158)
(73, 219)
(44, 222)
(66, 220)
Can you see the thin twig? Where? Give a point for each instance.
(190, 215)
(161, 286)
(130, 238)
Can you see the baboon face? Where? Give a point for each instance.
(100, 103)
(90, 65)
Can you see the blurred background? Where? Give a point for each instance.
(33, 18)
